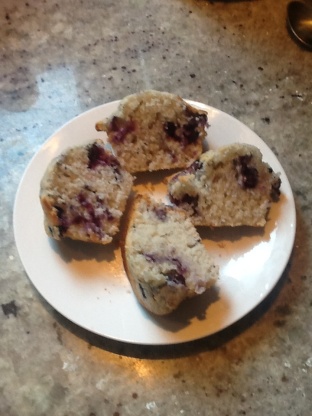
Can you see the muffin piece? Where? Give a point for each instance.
(164, 257)
(83, 194)
(154, 130)
(230, 186)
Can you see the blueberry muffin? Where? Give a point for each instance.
(230, 186)
(83, 194)
(154, 130)
(164, 257)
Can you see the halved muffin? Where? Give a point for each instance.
(164, 258)
(229, 186)
(84, 193)
(154, 130)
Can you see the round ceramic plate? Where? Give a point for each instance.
(86, 282)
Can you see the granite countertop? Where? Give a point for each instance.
(59, 59)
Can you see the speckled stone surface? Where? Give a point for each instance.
(60, 58)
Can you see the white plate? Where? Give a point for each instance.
(87, 283)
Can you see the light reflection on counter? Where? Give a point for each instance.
(57, 97)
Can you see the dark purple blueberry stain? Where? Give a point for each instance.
(200, 119)
(142, 291)
(194, 167)
(160, 213)
(63, 221)
(98, 156)
(62, 230)
(176, 275)
(60, 212)
(150, 257)
(9, 309)
(247, 176)
(190, 133)
(85, 215)
(121, 128)
(170, 128)
(89, 218)
(181, 269)
(192, 201)
(89, 209)
(187, 133)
